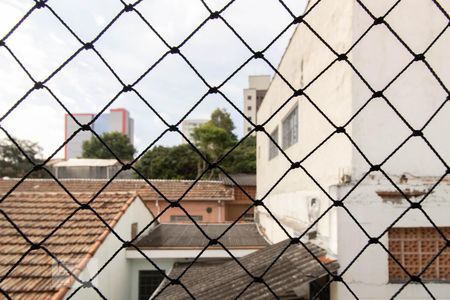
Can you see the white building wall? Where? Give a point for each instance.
(142, 264)
(115, 281)
(415, 94)
(253, 97)
(339, 93)
(304, 59)
(249, 109)
(368, 277)
(75, 146)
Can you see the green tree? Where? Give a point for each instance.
(119, 143)
(177, 162)
(222, 119)
(243, 158)
(12, 161)
(213, 139)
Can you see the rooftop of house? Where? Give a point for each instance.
(36, 218)
(171, 189)
(240, 178)
(189, 236)
(228, 280)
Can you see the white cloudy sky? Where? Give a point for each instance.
(86, 85)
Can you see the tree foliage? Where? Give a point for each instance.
(213, 139)
(243, 158)
(177, 162)
(119, 143)
(13, 162)
(222, 119)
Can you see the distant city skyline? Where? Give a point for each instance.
(117, 120)
(172, 88)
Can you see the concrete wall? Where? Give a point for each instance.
(115, 281)
(368, 276)
(339, 93)
(377, 131)
(253, 97)
(304, 59)
(415, 94)
(74, 147)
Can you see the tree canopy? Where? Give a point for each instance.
(213, 139)
(119, 143)
(12, 161)
(177, 162)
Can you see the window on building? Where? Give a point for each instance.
(249, 107)
(184, 218)
(249, 97)
(273, 150)
(248, 217)
(290, 129)
(414, 248)
(148, 283)
(249, 129)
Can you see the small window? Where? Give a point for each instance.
(148, 283)
(184, 218)
(290, 129)
(273, 149)
(248, 217)
(249, 97)
(249, 107)
(249, 129)
(249, 118)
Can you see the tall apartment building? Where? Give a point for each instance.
(188, 126)
(253, 97)
(118, 119)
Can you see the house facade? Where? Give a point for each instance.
(67, 246)
(361, 133)
(89, 243)
(244, 190)
(205, 201)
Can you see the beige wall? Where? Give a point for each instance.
(304, 59)
(114, 281)
(339, 93)
(194, 208)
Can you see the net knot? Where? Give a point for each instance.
(342, 56)
(88, 46)
(258, 54)
(259, 128)
(129, 7)
(38, 85)
(340, 129)
(214, 15)
(378, 21)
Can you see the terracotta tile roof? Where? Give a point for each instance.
(173, 236)
(227, 280)
(37, 215)
(172, 189)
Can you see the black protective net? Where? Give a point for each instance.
(257, 54)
